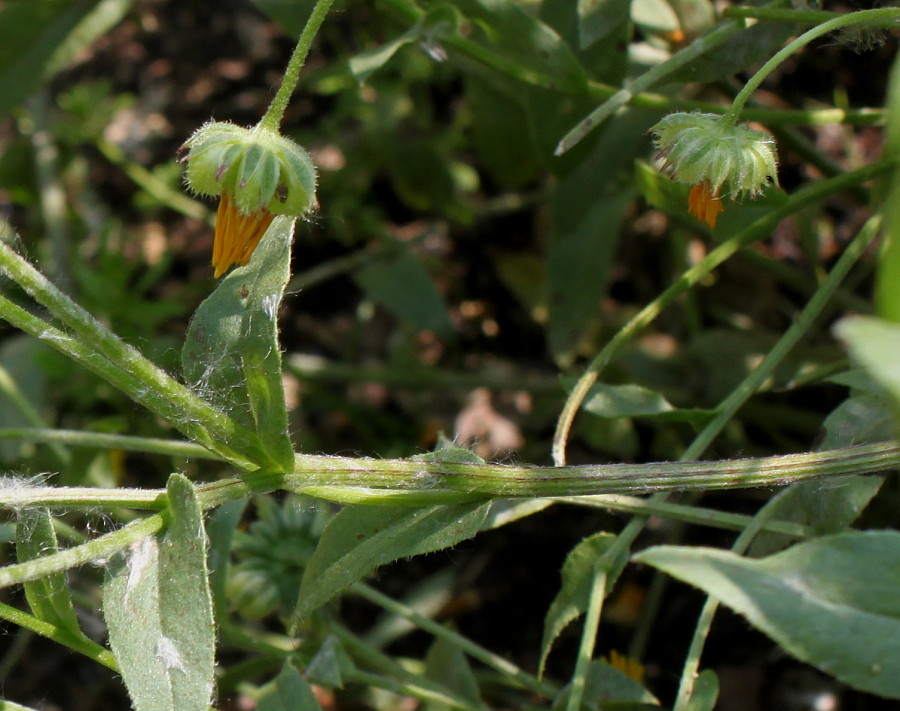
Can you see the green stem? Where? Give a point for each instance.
(879, 17)
(475, 651)
(757, 230)
(627, 93)
(696, 515)
(808, 17)
(444, 481)
(275, 113)
(83, 645)
(100, 350)
(407, 481)
(588, 635)
(792, 336)
(689, 671)
(101, 440)
(98, 549)
(10, 389)
(333, 475)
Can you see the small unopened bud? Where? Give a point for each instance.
(716, 156)
(258, 173)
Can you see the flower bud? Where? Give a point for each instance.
(259, 168)
(258, 173)
(733, 160)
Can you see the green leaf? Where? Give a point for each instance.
(599, 18)
(608, 689)
(287, 692)
(830, 602)
(364, 64)
(500, 133)
(578, 574)
(873, 344)
(706, 692)
(582, 25)
(421, 172)
(231, 353)
(589, 204)
(361, 538)
(630, 400)
(158, 608)
(402, 285)
(655, 16)
(48, 596)
(694, 16)
(660, 191)
(615, 401)
(221, 529)
(290, 15)
(6, 705)
(828, 506)
(758, 42)
(866, 416)
(330, 665)
(524, 40)
(446, 664)
(37, 39)
(832, 505)
(436, 24)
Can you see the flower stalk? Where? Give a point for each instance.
(881, 17)
(256, 172)
(275, 113)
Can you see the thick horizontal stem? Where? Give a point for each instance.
(496, 480)
(414, 482)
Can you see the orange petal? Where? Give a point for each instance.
(704, 203)
(236, 234)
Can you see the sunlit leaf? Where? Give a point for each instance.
(361, 538)
(158, 608)
(231, 354)
(831, 602)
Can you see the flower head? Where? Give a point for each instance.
(258, 173)
(717, 157)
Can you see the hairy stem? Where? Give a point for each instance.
(90, 343)
(876, 18)
(275, 113)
